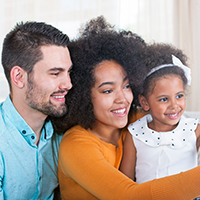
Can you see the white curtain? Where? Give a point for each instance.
(171, 21)
(186, 35)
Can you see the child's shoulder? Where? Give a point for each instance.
(140, 124)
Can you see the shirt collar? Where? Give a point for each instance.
(20, 124)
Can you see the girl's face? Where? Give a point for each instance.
(166, 103)
(111, 96)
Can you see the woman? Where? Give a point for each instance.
(107, 64)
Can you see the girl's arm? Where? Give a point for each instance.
(129, 157)
(197, 132)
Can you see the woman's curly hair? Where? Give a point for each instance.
(99, 41)
(160, 54)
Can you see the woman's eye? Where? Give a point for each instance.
(163, 99)
(107, 91)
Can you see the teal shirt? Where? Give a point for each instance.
(27, 171)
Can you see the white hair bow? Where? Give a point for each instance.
(176, 62)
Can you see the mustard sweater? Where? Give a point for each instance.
(88, 169)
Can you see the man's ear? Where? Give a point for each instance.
(143, 102)
(17, 75)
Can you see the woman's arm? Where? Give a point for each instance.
(82, 160)
(129, 157)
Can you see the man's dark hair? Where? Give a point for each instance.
(21, 45)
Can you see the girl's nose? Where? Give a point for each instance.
(173, 104)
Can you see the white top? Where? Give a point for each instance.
(161, 154)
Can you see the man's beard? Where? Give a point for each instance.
(35, 97)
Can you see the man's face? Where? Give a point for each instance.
(49, 81)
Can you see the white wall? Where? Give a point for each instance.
(4, 89)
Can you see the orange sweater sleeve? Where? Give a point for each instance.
(86, 171)
(139, 114)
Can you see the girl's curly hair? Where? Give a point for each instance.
(159, 54)
(99, 41)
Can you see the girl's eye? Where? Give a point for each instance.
(179, 96)
(107, 91)
(163, 99)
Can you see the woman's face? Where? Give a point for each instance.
(111, 95)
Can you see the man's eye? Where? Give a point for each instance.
(55, 74)
(127, 86)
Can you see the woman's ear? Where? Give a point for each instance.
(143, 102)
(17, 76)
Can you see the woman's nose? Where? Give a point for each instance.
(120, 98)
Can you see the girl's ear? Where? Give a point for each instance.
(17, 75)
(143, 102)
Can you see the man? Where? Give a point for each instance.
(37, 64)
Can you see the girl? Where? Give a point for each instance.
(104, 61)
(163, 142)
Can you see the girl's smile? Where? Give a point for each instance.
(166, 103)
